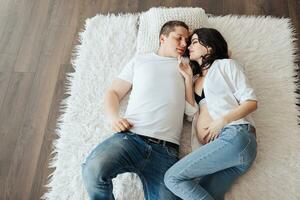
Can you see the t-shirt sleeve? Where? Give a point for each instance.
(243, 90)
(127, 72)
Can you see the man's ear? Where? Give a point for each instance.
(162, 38)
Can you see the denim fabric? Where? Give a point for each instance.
(128, 152)
(208, 172)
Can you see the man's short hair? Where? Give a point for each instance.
(169, 26)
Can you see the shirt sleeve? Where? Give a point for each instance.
(190, 110)
(127, 72)
(242, 88)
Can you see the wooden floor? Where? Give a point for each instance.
(36, 41)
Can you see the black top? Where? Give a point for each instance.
(199, 98)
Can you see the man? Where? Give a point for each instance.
(147, 138)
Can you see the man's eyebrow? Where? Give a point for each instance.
(186, 38)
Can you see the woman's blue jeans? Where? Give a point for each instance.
(128, 152)
(209, 172)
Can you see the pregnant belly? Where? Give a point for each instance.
(203, 121)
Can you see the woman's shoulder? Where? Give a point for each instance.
(226, 61)
(228, 64)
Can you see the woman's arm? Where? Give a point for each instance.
(190, 106)
(241, 111)
(189, 90)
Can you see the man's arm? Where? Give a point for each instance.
(113, 97)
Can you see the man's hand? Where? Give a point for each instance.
(214, 129)
(121, 124)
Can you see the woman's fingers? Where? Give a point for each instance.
(206, 137)
(210, 135)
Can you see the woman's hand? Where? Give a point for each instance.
(184, 68)
(214, 129)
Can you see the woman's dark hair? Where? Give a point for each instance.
(212, 38)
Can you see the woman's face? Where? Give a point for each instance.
(196, 49)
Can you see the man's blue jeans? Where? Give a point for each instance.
(128, 152)
(208, 172)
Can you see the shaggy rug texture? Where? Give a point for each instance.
(263, 45)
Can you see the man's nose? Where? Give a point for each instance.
(183, 43)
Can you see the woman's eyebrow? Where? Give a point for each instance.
(193, 39)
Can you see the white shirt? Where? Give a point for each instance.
(225, 88)
(157, 103)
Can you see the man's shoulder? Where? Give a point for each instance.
(141, 58)
(144, 55)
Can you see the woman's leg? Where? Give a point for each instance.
(235, 147)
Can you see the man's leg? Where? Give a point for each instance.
(160, 160)
(117, 154)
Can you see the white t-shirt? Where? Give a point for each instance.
(157, 101)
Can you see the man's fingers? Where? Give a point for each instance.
(116, 128)
(125, 124)
(121, 126)
(129, 124)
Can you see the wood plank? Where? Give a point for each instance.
(25, 157)
(42, 169)
(4, 82)
(19, 12)
(42, 172)
(34, 37)
(12, 117)
(7, 62)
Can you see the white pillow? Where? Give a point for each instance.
(151, 21)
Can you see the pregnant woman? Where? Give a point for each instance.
(223, 126)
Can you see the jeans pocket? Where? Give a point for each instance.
(171, 151)
(248, 154)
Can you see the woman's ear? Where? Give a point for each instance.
(209, 50)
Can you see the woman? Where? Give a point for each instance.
(223, 124)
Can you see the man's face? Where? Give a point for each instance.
(176, 43)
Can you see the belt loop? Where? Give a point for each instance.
(249, 127)
(164, 143)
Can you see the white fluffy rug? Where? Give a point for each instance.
(264, 45)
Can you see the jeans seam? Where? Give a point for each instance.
(240, 154)
(146, 185)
